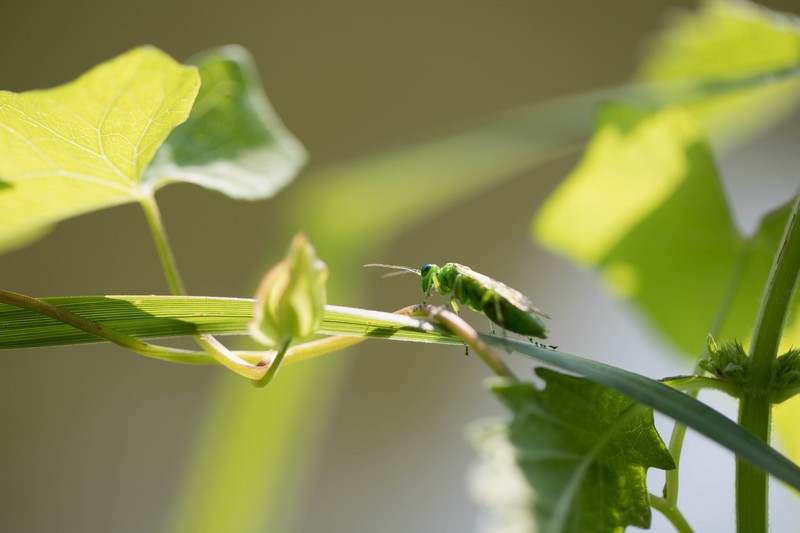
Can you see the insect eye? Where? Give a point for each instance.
(424, 270)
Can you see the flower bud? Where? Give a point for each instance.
(291, 298)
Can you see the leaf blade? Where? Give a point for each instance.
(82, 146)
(233, 141)
(651, 393)
(670, 402)
(648, 178)
(584, 449)
(723, 42)
(151, 317)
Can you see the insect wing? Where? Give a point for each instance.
(522, 302)
(512, 296)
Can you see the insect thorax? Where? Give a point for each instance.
(430, 278)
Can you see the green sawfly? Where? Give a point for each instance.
(504, 306)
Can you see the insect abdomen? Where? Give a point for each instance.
(514, 319)
(483, 298)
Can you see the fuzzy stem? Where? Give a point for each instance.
(755, 408)
(695, 383)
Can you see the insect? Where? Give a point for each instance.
(506, 307)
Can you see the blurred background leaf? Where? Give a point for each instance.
(646, 207)
(233, 141)
(723, 43)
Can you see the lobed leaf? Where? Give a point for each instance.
(673, 403)
(97, 141)
(84, 145)
(584, 450)
(646, 209)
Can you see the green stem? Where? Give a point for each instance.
(298, 352)
(274, 365)
(153, 215)
(229, 359)
(755, 408)
(693, 384)
(671, 512)
(672, 480)
(672, 477)
(211, 345)
(95, 328)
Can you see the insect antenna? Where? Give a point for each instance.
(400, 270)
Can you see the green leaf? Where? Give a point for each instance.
(89, 144)
(725, 42)
(673, 403)
(84, 145)
(645, 208)
(169, 316)
(233, 141)
(584, 450)
(149, 317)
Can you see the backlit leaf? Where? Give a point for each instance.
(646, 209)
(84, 145)
(725, 42)
(233, 141)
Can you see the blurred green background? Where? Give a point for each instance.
(97, 439)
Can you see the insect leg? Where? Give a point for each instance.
(458, 293)
(436, 285)
(491, 297)
(498, 312)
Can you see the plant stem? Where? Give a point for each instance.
(298, 352)
(755, 408)
(458, 327)
(694, 384)
(97, 329)
(672, 480)
(671, 512)
(211, 345)
(153, 215)
(273, 365)
(229, 359)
